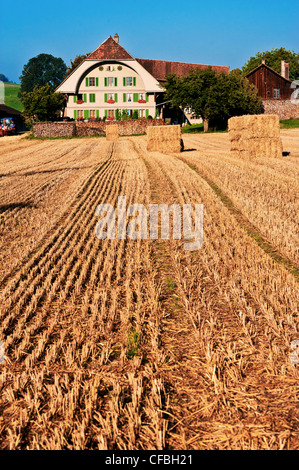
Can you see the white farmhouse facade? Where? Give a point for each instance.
(107, 81)
(110, 81)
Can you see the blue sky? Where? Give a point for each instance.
(216, 33)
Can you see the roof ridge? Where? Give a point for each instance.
(110, 49)
(268, 67)
(185, 63)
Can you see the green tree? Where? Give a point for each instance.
(76, 62)
(215, 97)
(124, 115)
(118, 115)
(42, 70)
(42, 104)
(273, 59)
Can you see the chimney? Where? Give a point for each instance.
(116, 38)
(285, 69)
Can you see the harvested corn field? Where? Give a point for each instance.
(141, 344)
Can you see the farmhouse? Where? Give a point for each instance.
(279, 94)
(111, 81)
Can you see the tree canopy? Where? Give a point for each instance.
(273, 59)
(42, 70)
(42, 104)
(215, 97)
(77, 61)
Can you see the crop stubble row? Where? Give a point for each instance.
(243, 306)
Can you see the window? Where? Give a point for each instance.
(141, 112)
(92, 97)
(92, 113)
(142, 96)
(80, 113)
(129, 81)
(110, 81)
(276, 93)
(110, 68)
(110, 113)
(129, 97)
(92, 81)
(110, 97)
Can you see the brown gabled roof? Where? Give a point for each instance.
(269, 68)
(110, 49)
(9, 111)
(160, 68)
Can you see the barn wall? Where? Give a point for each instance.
(265, 81)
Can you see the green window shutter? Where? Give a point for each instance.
(124, 81)
(106, 97)
(86, 114)
(124, 97)
(98, 113)
(115, 97)
(146, 97)
(75, 114)
(85, 98)
(115, 81)
(75, 99)
(97, 81)
(86, 81)
(106, 112)
(134, 81)
(135, 97)
(92, 98)
(146, 113)
(105, 81)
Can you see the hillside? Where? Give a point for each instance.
(11, 96)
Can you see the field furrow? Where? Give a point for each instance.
(264, 191)
(243, 309)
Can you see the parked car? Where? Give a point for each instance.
(7, 126)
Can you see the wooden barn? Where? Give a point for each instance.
(270, 84)
(7, 111)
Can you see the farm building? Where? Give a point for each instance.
(111, 80)
(8, 112)
(279, 94)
